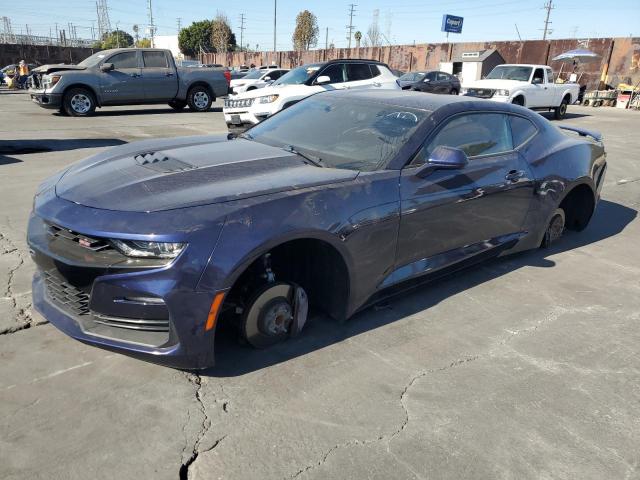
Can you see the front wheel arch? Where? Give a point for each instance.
(519, 100)
(315, 264)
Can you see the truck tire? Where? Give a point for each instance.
(561, 111)
(199, 99)
(79, 102)
(177, 105)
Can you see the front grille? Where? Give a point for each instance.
(133, 323)
(481, 92)
(239, 103)
(95, 244)
(65, 295)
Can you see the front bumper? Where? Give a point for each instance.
(46, 100)
(151, 310)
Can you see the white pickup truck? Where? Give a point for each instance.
(531, 86)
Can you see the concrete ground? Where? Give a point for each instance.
(527, 367)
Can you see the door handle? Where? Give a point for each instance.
(168, 74)
(377, 84)
(514, 175)
(136, 75)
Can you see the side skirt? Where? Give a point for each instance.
(417, 274)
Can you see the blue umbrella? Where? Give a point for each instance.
(580, 54)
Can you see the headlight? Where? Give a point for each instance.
(49, 82)
(136, 248)
(267, 99)
(502, 93)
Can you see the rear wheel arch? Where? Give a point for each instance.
(315, 264)
(578, 205)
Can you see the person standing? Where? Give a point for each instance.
(23, 74)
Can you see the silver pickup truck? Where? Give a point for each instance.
(126, 76)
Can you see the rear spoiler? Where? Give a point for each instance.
(597, 136)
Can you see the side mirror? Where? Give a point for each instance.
(107, 67)
(426, 80)
(443, 158)
(323, 80)
(267, 79)
(537, 81)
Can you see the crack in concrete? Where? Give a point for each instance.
(196, 451)
(391, 436)
(555, 313)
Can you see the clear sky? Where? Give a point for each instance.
(402, 21)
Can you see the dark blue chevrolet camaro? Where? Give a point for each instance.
(330, 204)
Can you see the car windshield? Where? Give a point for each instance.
(346, 133)
(510, 72)
(298, 75)
(254, 75)
(412, 76)
(92, 60)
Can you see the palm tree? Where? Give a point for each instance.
(358, 37)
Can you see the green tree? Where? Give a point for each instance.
(222, 38)
(195, 37)
(305, 35)
(115, 39)
(144, 43)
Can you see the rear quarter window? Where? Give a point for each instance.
(154, 59)
(522, 130)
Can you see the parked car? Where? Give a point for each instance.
(126, 76)
(329, 204)
(250, 108)
(531, 86)
(409, 78)
(431, 82)
(256, 79)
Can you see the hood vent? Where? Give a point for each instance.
(161, 162)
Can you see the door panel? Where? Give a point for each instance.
(452, 209)
(122, 84)
(161, 83)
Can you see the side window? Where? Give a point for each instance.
(274, 75)
(538, 76)
(154, 60)
(550, 78)
(475, 134)
(358, 71)
(431, 76)
(443, 77)
(375, 71)
(124, 60)
(335, 72)
(521, 130)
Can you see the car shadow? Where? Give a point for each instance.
(568, 116)
(20, 147)
(144, 111)
(233, 359)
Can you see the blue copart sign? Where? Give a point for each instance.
(452, 24)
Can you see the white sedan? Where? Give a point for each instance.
(256, 79)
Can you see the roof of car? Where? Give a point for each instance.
(404, 98)
(348, 60)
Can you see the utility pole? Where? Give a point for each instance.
(152, 27)
(352, 7)
(179, 22)
(275, 11)
(326, 39)
(241, 30)
(548, 6)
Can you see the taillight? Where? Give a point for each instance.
(227, 75)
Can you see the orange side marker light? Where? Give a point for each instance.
(213, 312)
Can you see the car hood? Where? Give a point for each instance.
(495, 84)
(181, 172)
(278, 90)
(57, 68)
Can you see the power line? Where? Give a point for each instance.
(152, 27)
(350, 27)
(548, 6)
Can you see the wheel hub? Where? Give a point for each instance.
(200, 99)
(269, 315)
(80, 103)
(276, 319)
